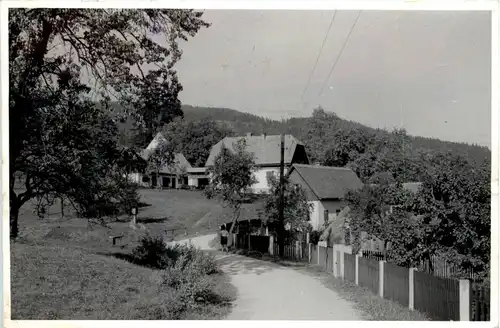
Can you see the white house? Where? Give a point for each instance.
(325, 189)
(266, 150)
(197, 177)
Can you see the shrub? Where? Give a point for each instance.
(190, 281)
(154, 253)
(314, 237)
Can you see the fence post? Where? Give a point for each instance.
(271, 245)
(235, 240)
(356, 270)
(334, 259)
(464, 300)
(317, 249)
(249, 247)
(381, 267)
(298, 250)
(310, 250)
(342, 270)
(411, 286)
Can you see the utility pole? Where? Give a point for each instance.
(281, 235)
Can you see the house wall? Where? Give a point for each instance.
(154, 143)
(332, 206)
(316, 214)
(193, 182)
(262, 184)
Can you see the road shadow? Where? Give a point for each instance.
(233, 264)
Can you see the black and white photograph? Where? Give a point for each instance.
(319, 164)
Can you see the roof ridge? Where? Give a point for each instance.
(324, 167)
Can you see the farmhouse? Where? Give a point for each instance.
(170, 176)
(266, 150)
(325, 189)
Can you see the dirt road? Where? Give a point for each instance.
(268, 291)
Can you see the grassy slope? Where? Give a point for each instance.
(63, 268)
(190, 210)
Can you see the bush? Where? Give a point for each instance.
(314, 237)
(190, 280)
(187, 271)
(154, 253)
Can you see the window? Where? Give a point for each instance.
(269, 174)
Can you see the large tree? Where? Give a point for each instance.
(194, 139)
(455, 203)
(297, 211)
(158, 158)
(231, 176)
(448, 217)
(63, 58)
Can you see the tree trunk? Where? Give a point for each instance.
(62, 208)
(236, 216)
(15, 205)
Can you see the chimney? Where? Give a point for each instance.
(249, 134)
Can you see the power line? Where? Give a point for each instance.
(317, 58)
(340, 53)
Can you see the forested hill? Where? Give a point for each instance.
(242, 123)
(320, 133)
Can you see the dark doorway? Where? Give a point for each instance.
(154, 181)
(174, 182)
(165, 182)
(202, 182)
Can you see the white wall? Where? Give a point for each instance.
(261, 175)
(317, 213)
(154, 143)
(192, 182)
(135, 177)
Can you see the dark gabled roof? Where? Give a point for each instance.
(328, 182)
(266, 149)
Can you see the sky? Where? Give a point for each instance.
(426, 71)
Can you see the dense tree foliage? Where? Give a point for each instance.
(297, 211)
(59, 60)
(158, 158)
(449, 216)
(367, 141)
(194, 139)
(231, 177)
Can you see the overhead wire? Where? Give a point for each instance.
(317, 57)
(340, 53)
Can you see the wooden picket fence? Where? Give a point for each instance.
(479, 302)
(440, 297)
(369, 274)
(437, 296)
(396, 284)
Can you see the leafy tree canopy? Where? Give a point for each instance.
(297, 211)
(231, 177)
(59, 60)
(194, 139)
